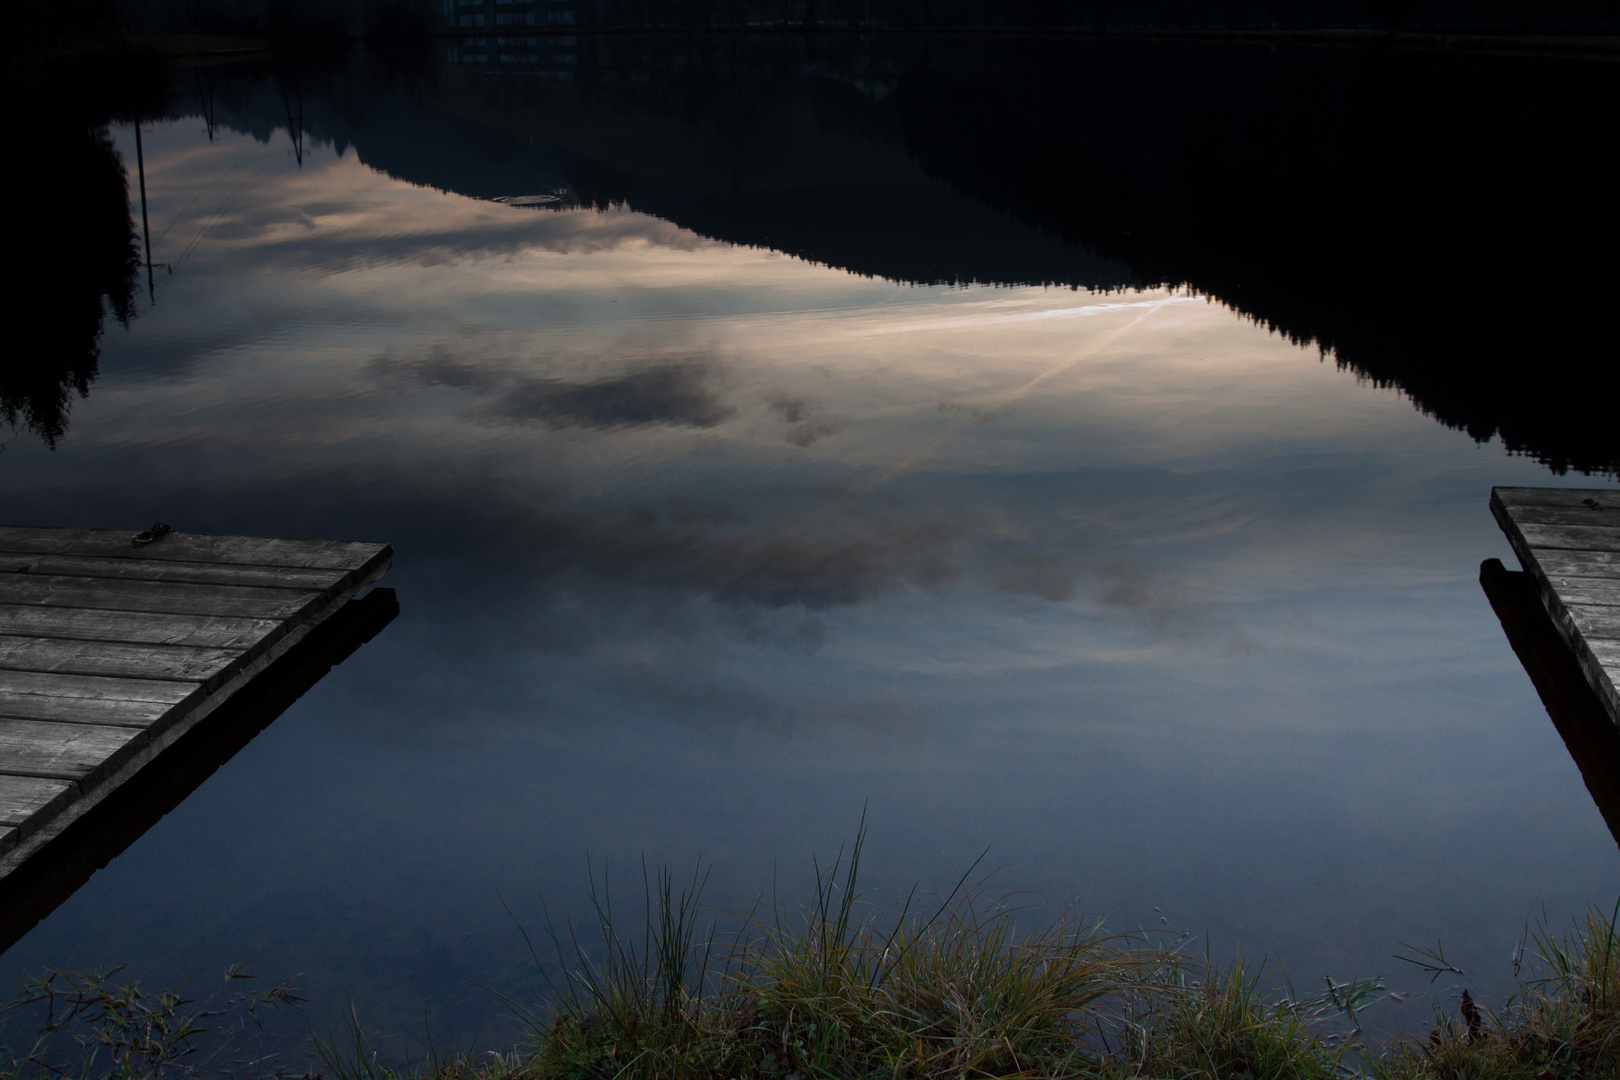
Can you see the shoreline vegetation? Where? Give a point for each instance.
(840, 988)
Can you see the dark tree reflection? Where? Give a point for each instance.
(1435, 222)
(81, 262)
(74, 254)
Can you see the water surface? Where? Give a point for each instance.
(703, 546)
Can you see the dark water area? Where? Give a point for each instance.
(1076, 448)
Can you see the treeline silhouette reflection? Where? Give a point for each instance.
(1438, 222)
(73, 243)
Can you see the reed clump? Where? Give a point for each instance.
(955, 990)
(1563, 1023)
(961, 989)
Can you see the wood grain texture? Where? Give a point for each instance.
(193, 547)
(22, 797)
(1554, 497)
(65, 656)
(110, 652)
(1580, 716)
(138, 569)
(1595, 623)
(1567, 563)
(62, 751)
(1592, 591)
(1607, 516)
(105, 688)
(155, 628)
(1567, 541)
(81, 710)
(170, 597)
(1572, 537)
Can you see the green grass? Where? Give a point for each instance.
(1563, 1023)
(955, 991)
(967, 987)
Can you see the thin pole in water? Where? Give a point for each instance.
(146, 228)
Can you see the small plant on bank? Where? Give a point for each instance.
(93, 1027)
(1206, 1021)
(1564, 1023)
(844, 989)
(961, 990)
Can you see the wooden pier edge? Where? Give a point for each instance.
(92, 794)
(1580, 528)
(56, 871)
(1579, 716)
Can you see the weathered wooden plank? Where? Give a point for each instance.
(1586, 591)
(1566, 563)
(1595, 622)
(22, 797)
(1573, 537)
(1575, 572)
(138, 569)
(194, 547)
(63, 751)
(110, 653)
(95, 686)
(114, 658)
(175, 598)
(1516, 497)
(1600, 661)
(1580, 715)
(156, 628)
(1602, 666)
(83, 710)
(1605, 516)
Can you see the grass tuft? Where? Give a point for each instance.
(847, 988)
(91, 1026)
(1563, 1023)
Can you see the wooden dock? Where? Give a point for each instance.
(112, 651)
(1568, 541)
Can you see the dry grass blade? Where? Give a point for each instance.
(973, 987)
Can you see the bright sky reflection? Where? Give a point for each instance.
(701, 548)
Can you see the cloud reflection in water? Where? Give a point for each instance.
(694, 555)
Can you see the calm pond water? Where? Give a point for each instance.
(804, 455)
